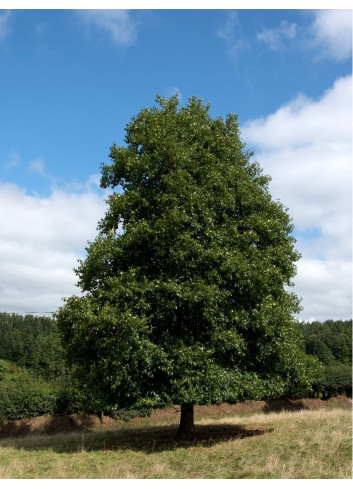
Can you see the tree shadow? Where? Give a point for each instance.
(146, 439)
(276, 405)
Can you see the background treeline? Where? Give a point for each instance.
(33, 343)
(35, 381)
(331, 343)
(33, 377)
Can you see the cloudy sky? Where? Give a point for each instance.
(72, 79)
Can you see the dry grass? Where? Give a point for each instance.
(299, 445)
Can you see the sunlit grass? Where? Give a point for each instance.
(300, 445)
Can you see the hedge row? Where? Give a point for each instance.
(20, 400)
(24, 396)
(333, 380)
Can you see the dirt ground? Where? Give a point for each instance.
(249, 407)
(49, 424)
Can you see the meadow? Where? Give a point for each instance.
(303, 444)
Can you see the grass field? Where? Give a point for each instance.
(291, 445)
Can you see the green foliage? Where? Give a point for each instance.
(32, 362)
(32, 342)
(185, 298)
(332, 380)
(23, 395)
(330, 341)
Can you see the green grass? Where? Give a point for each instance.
(300, 445)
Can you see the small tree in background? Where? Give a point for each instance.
(185, 299)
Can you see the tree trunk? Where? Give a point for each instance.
(186, 419)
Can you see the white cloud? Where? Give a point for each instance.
(229, 33)
(328, 36)
(4, 24)
(40, 243)
(303, 121)
(117, 23)
(332, 33)
(306, 146)
(325, 289)
(37, 166)
(13, 160)
(275, 37)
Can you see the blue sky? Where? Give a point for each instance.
(72, 79)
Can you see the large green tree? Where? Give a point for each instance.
(185, 285)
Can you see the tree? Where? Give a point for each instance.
(330, 341)
(32, 342)
(185, 285)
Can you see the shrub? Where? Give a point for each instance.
(19, 399)
(23, 395)
(333, 380)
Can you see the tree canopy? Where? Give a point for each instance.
(186, 295)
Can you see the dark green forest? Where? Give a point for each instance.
(33, 343)
(34, 379)
(330, 341)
